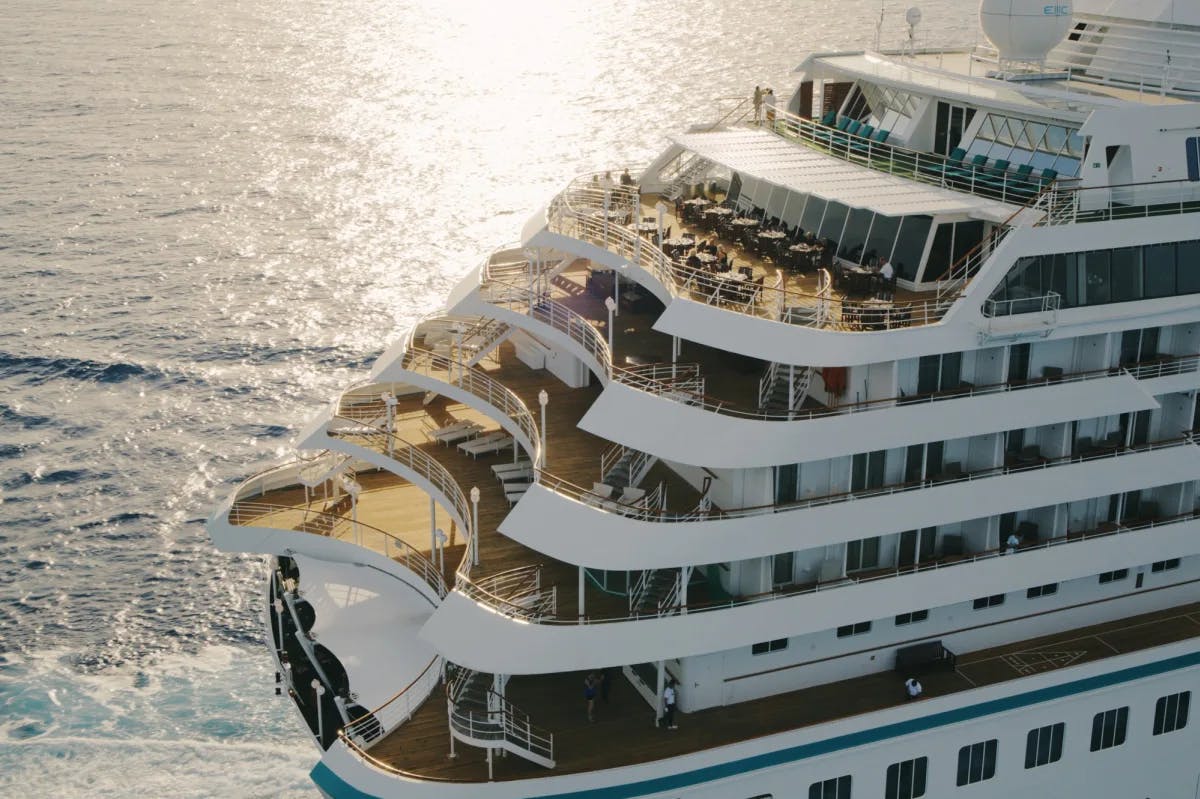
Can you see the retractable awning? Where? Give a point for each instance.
(793, 166)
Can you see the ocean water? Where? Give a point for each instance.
(213, 215)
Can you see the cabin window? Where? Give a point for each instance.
(906, 779)
(1108, 728)
(1099, 277)
(836, 788)
(1192, 145)
(1044, 745)
(1049, 589)
(781, 568)
(862, 554)
(912, 618)
(910, 245)
(1113, 576)
(1171, 712)
(977, 762)
(778, 645)
(988, 601)
(859, 628)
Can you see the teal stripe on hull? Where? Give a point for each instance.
(337, 788)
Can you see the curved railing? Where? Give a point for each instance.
(586, 496)
(503, 723)
(416, 460)
(570, 214)
(516, 593)
(374, 725)
(476, 382)
(246, 513)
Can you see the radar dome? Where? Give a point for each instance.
(1024, 30)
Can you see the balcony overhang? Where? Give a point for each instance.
(689, 434)
(788, 165)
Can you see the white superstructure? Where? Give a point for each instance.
(926, 410)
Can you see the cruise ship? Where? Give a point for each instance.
(846, 449)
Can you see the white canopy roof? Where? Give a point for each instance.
(788, 165)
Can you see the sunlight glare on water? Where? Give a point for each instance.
(215, 214)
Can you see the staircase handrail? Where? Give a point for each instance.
(246, 513)
(506, 723)
(374, 725)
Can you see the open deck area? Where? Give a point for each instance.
(625, 734)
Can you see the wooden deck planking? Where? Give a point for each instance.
(624, 732)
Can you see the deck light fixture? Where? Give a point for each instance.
(474, 525)
(544, 400)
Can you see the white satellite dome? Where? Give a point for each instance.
(1025, 30)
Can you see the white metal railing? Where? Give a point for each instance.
(637, 589)
(277, 517)
(1164, 367)
(1069, 205)
(505, 724)
(924, 167)
(657, 515)
(1046, 303)
(375, 725)
(479, 384)
(669, 604)
(568, 217)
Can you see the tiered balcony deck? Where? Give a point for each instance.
(624, 733)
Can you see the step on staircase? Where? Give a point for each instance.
(777, 397)
(481, 717)
(689, 170)
(655, 593)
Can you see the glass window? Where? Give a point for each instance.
(939, 253)
(1042, 590)
(1044, 745)
(859, 628)
(834, 221)
(769, 646)
(781, 568)
(883, 237)
(1160, 270)
(912, 618)
(977, 762)
(967, 236)
(837, 788)
(862, 554)
(854, 241)
(988, 601)
(906, 779)
(1097, 277)
(1187, 267)
(910, 245)
(1113, 576)
(1108, 728)
(1171, 712)
(787, 479)
(867, 470)
(810, 220)
(1127, 274)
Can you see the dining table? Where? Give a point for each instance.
(645, 228)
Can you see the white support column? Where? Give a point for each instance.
(582, 584)
(660, 684)
(685, 575)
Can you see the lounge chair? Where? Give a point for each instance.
(475, 449)
(501, 469)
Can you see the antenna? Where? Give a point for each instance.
(879, 25)
(913, 18)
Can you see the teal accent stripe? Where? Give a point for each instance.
(336, 787)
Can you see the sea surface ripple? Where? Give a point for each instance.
(213, 215)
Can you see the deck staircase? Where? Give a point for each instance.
(655, 592)
(326, 466)
(783, 389)
(688, 171)
(479, 716)
(621, 467)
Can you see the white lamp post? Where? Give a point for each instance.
(319, 691)
(544, 400)
(474, 525)
(279, 621)
(611, 305)
(441, 551)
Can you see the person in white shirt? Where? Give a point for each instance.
(1011, 543)
(886, 270)
(668, 719)
(912, 688)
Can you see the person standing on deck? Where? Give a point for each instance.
(590, 684)
(668, 718)
(758, 101)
